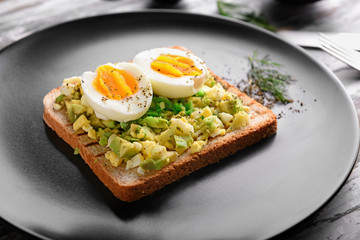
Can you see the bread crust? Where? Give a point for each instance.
(128, 185)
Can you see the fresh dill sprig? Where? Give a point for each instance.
(266, 76)
(244, 13)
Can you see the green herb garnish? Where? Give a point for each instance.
(76, 151)
(266, 76)
(244, 13)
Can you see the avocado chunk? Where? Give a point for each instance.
(151, 164)
(109, 123)
(209, 123)
(155, 122)
(128, 149)
(115, 145)
(180, 142)
(60, 98)
(148, 164)
(78, 108)
(95, 122)
(70, 111)
(183, 142)
(103, 141)
(141, 132)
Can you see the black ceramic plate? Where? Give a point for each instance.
(257, 193)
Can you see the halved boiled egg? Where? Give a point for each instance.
(118, 92)
(173, 73)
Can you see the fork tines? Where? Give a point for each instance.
(345, 54)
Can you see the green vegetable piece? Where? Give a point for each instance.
(189, 107)
(128, 150)
(107, 134)
(130, 138)
(70, 111)
(148, 164)
(177, 107)
(159, 164)
(153, 114)
(115, 145)
(109, 123)
(209, 123)
(95, 122)
(149, 134)
(78, 108)
(155, 122)
(183, 141)
(200, 93)
(76, 151)
(60, 98)
(124, 125)
(103, 141)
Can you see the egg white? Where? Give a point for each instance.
(171, 87)
(124, 110)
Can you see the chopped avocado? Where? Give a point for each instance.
(183, 143)
(209, 123)
(96, 122)
(180, 142)
(103, 141)
(130, 138)
(128, 150)
(78, 109)
(141, 132)
(115, 145)
(165, 136)
(161, 163)
(148, 164)
(151, 164)
(109, 123)
(70, 111)
(155, 122)
(149, 134)
(60, 98)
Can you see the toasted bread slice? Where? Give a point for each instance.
(128, 185)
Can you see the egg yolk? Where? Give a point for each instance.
(175, 66)
(114, 83)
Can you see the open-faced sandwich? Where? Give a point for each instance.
(143, 124)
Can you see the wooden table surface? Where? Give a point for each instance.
(340, 217)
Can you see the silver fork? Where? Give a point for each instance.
(345, 54)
